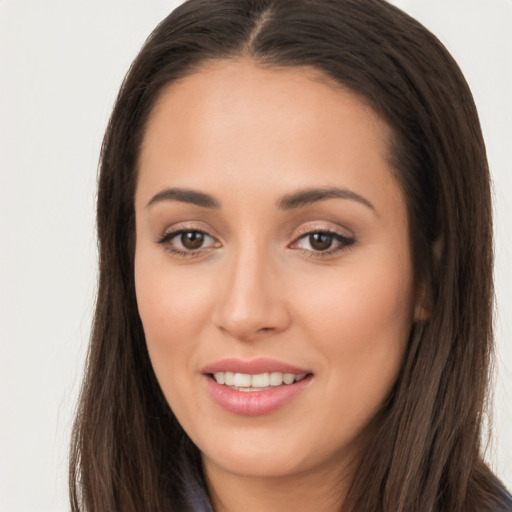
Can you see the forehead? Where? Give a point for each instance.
(243, 121)
(243, 91)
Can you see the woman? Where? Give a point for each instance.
(294, 308)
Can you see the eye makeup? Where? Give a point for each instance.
(191, 241)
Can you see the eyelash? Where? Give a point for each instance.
(166, 239)
(343, 243)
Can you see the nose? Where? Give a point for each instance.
(251, 303)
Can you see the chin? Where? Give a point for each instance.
(257, 455)
(255, 464)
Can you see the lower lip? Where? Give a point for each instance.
(254, 403)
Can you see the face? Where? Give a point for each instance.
(272, 266)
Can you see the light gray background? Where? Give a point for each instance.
(61, 63)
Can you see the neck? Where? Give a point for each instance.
(319, 490)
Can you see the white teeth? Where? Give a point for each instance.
(288, 378)
(242, 380)
(220, 377)
(276, 379)
(260, 380)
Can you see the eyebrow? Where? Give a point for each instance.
(185, 196)
(289, 202)
(314, 195)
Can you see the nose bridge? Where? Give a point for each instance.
(250, 301)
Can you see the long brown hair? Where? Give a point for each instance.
(423, 455)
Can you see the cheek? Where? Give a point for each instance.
(360, 321)
(172, 300)
(173, 307)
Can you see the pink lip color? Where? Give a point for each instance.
(253, 367)
(253, 403)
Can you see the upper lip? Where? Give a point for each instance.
(253, 366)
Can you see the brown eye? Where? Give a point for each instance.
(190, 242)
(192, 239)
(320, 241)
(323, 243)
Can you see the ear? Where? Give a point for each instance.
(423, 304)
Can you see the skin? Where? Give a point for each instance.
(249, 136)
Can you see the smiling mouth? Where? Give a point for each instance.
(256, 382)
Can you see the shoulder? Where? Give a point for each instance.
(486, 493)
(501, 498)
(505, 501)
